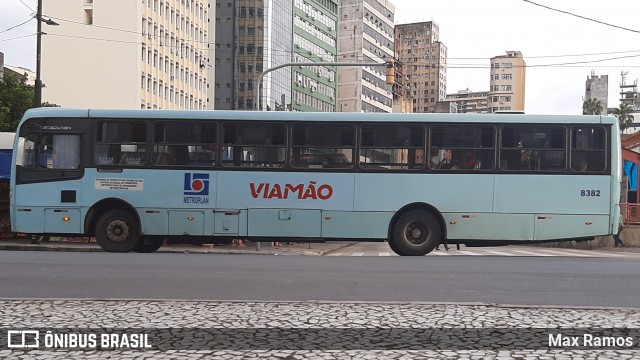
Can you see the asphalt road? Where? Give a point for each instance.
(611, 282)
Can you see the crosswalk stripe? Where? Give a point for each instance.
(466, 252)
(438, 253)
(564, 253)
(592, 253)
(496, 252)
(531, 253)
(506, 252)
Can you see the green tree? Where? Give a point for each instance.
(624, 115)
(16, 97)
(592, 106)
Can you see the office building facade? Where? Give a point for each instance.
(366, 35)
(256, 35)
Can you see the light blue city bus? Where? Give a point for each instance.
(134, 178)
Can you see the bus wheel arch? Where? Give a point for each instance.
(424, 222)
(115, 224)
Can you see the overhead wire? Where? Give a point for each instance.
(582, 17)
(15, 26)
(17, 37)
(451, 66)
(28, 7)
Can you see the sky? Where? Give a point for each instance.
(474, 31)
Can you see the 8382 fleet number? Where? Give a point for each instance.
(590, 193)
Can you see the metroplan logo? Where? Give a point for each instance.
(196, 184)
(196, 188)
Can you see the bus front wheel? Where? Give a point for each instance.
(117, 231)
(415, 233)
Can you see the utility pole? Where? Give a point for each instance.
(38, 88)
(258, 104)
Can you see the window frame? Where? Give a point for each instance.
(564, 149)
(606, 149)
(121, 121)
(153, 151)
(495, 131)
(231, 164)
(378, 167)
(291, 146)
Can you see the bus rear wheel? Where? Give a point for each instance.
(415, 233)
(117, 231)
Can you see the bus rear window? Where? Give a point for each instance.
(588, 152)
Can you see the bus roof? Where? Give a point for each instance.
(318, 116)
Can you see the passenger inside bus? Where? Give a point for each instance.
(445, 160)
(164, 158)
(470, 161)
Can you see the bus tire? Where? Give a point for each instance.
(148, 245)
(117, 231)
(415, 233)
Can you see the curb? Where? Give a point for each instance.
(170, 249)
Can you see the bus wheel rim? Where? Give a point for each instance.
(416, 233)
(117, 231)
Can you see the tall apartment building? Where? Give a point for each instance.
(425, 59)
(597, 87)
(506, 87)
(149, 54)
(466, 102)
(366, 35)
(255, 35)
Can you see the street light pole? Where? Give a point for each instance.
(38, 88)
(258, 104)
